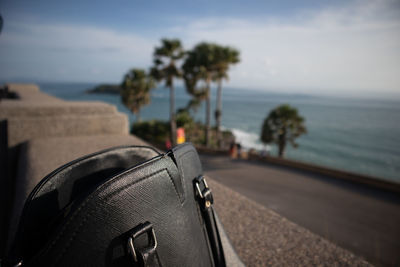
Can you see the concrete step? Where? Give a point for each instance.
(23, 87)
(17, 108)
(22, 129)
(30, 92)
(36, 115)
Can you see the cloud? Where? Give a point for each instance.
(352, 49)
(76, 49)
(336, 50)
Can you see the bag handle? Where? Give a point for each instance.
(205, 200)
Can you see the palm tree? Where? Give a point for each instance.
(282, 125)
(165, 58)
(200, 65)
(135, 91)
(225, 56)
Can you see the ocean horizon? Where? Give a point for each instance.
(356, 135)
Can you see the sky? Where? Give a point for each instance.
(345, 48)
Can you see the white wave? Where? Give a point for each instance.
(247, 139)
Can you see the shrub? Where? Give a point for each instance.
(154, 131)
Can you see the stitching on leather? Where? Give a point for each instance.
(143, 178)
(182, 182)
(69, 221)
(69, 242)
(92, 156)
(172, 181)
(183, 174)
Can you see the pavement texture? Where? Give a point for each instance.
(262, 237)
(363, 220)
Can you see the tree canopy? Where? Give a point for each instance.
(136, 87)
(224, 57)
(165, 57)
(282, 125)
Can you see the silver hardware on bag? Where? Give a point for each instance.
(205, 193)
(145, 228)
(202, 179)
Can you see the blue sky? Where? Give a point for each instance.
(324, 47)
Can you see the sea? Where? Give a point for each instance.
(356, 135)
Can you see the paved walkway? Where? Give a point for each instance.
(363, 220)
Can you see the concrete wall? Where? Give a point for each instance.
(37, 115)
(338, 174)
(334, 173)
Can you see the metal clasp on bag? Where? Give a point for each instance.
(144, 228)
(203, 191)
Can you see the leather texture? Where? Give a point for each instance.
(84, 213)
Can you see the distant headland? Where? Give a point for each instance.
(105, 89)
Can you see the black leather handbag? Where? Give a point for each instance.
(126, 206)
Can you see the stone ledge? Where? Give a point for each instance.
(356, 178)
(21, 129)
(16, 108)
(30, 92)
(23, 87)
(36, 115)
